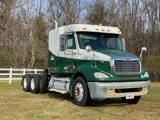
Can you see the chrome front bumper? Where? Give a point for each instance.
(101, 90)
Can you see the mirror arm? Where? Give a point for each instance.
(123, 44)
(143, 49)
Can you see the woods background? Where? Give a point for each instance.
(24, 27)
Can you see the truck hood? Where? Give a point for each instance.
(106, 55)
(117, 53)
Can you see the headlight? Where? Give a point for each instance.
(146, 74)
(100, 75)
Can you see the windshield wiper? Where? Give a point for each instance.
(93, 48)
(111, 48)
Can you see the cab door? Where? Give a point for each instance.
(69, 53)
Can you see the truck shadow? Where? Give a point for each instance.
(59, 96)
(104, 103)
(108, 102)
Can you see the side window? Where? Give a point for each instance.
(70, 42)
(62, 42)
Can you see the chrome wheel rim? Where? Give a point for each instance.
(79, 92)
(32, 84)
(25, 83)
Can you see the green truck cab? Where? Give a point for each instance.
(90, 62)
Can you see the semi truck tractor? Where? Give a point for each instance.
(90, 62)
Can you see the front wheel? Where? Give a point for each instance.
(131, 101)
(80, 92)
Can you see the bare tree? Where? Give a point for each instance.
(65, 11)
(96, 13)
(21, 35)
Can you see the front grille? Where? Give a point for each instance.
(126, 66)
(128, 90)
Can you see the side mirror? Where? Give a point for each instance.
(143, 49)
(123, 44)
(88, 48)
(62, 42)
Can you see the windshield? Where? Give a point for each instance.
(99, 41)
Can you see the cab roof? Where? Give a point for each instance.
(91, 28)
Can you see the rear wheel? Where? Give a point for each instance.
(43, 83)
(22, 80)
(80, 92)
(131, 101)
(26, 79)
(35, 84)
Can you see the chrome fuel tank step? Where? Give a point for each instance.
(59, 84)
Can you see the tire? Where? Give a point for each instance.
(43, 83)
(80, 92)
(26, 79)
(22, 80)
(131, 101)
(35, 84)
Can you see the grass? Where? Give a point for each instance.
(15, 104)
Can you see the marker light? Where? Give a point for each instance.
(146, 74)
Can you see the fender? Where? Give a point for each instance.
(86, 71)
